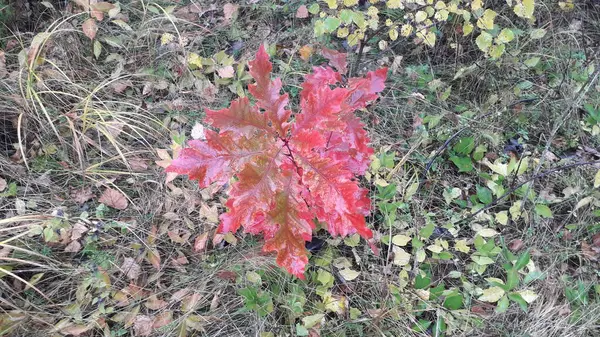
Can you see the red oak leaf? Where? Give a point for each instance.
(336, 59)
(289, 172)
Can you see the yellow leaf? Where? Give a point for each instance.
(350, 3)
(486, 21)
(502, 217)
(401, 240)
(420, 16)
(332, 4)
(461, 246)
(353, 39)
(515, 210)
(506, 35)
(194, 60)
(349, 274)
(421, 255)
(428, 38)
(525, 9)
(406, 30)
(393, 34)
(497, 50)
(166, 38)
(435, 248)
(382, 46)
(401, 257)
(388, 22)
(467, 28)
(492, 294)
(487, 232)
(528, 295)
(440, 5)
(342, 32)
(372, 11)
(441, 15)
(394, 4)
(476, 4)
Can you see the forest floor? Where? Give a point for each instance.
(484, 182)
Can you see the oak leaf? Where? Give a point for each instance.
(289, 172)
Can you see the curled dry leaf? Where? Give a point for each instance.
(153, 257)
(302, 12)
(82, 195)
(90, 28)
(131, 268)
(75, 329)
(142, 326)
(113, 198)
(138, 164)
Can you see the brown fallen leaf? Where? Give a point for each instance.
(154, 303)
(154, 258)
(90, 28)
(200, 242)
(162, 319)
(75, 329)
(113, 198)
(73, 247)
(589, 252)
(230, 11)
(190, 302)
(3, 71)
(142, 326)
(179, 295)
(138, 164)
(516, 245)
(82, 195)
(302, 12)
(306, 52)
(596, 240)
(131, 268)
(78, 230)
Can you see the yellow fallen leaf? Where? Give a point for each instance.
(492, 294)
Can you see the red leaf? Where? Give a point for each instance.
(289, 173)
(302, 12)
(267, 92)
(336, 59)
(90, 28)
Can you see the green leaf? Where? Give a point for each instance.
(453, 302)
(97, 48)
(522, 261)
(484, 41)
(502, 305)
(512, 279)
(479, 152)
(301, 330)
(422, 282)
(439, 327)
(534, 276)
(312, 320)
(426, 231)
(543, 211)
(331, 24)
(346, 16)
(314, 9)
(465, 145)
(532, 62)
(464, 164)
(516, 297)
(484, 194)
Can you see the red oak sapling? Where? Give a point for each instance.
(289, 170)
